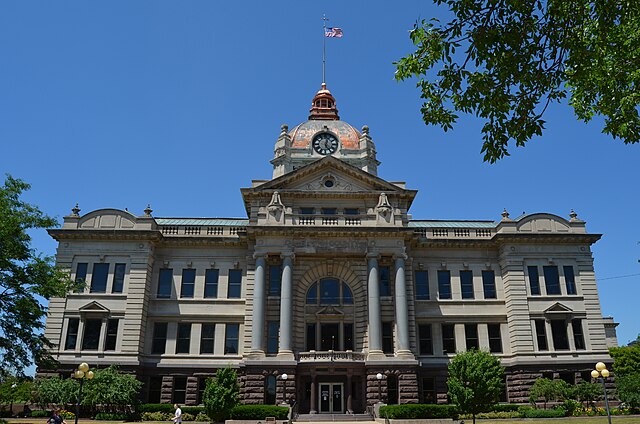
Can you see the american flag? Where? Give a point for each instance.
(333, 32)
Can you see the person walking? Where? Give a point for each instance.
(177, 418)
(56, 418)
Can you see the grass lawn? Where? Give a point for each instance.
(622, 419)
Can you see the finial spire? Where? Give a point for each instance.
(75, 211)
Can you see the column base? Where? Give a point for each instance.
(405, 354)
(376, 355)
(286, 355)
(256, 354)
(312, 412)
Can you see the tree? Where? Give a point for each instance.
(506, 61)
(112, 390)
(626, 359)
(221, 394)
(14, 390)
(24, 276)
(548, 390)
(587, 393)
(628, 390)
(476, 380)
(54, 392)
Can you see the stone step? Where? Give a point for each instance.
(334, 418)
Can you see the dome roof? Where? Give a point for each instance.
(302, 134)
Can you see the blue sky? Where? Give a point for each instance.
(178, 104)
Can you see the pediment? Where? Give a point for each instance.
(94, 308)
(108, 219)
(543, 223)
(329, 311)
(558, 309)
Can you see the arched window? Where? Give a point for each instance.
(270, 390)
(312, 294)
(347, 297)
(329, 291)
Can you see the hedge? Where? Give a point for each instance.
(111, 416)
(40, 413)
(527, 412)
(418, 411)
(168, 408)
(259, 412)
(505, 407)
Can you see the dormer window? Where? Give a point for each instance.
(351, 211)
(307, 211)
(329, 211)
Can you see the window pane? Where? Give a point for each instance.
(99, 278)
(426, 342)
(347, 296)
(183, 340)
(551, 279)
(155, 388)
(387, 337)
(179, 390)
(570, 280)
(329, 292)
(188, 283)
(422, 285)
(165, 281)
(329, 211)
(231, 339)
(489, 284)
(91, 336)
(385, 281)
(429, 390)
(235, 283)
(312, 294)
(72, 334)
(270, 390)
(112, 334)
(347, 329)
(211, 283)
(534, 280)
(118, 278)
(307, 211)
(159, 337)
(81, 274)
(466, 284)
(448, 339)
(273, 328)
(311, 337)
(351, 211)
(471, 336)
(578, 335)
(541, 334)
(392, 390)
(559, 333)
(495, 338)
(444, 284)
(207, 337)
(275, 278)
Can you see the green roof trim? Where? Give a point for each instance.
(214, 222)
(453, 224)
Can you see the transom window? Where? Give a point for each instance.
(329, 291)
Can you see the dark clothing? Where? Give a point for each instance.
(55, 419)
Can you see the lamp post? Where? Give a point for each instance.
(81, 374)
(601, 372)
(284, 389)
(379, 378)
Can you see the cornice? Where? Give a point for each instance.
(60, 234)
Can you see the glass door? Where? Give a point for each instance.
(331, 398)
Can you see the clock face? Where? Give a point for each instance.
(325, 143)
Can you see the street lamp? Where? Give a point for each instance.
(379, 378)
(284, 390)
(601, 372)
(81, 374)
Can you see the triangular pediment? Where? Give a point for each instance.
(329, 311)
(95, 308)
(558, 308)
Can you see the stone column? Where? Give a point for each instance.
(314, 397)
(375, 323)
(402, 307)
(286, 306)
(349, 395)
(257, 329)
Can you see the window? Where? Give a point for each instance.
(91, 336)
(155, 389)
(570, 280)
(211, 283)
(112, 334)
(541, 335)
(273, 328)
(311, 336)
(188, 283)
(81, 274)
(202, 384)
(534, 280)
(235, 284)
(551, 279)
(329, 291)
(275, 278)
(426, 342)
(72, 334)
(471, 336)
(307, 211)
(270, 390)
(429, 390)
(351, 211)
(231, 339)
(329, 211)
(118, 278)
(392, 390)
(578, 334)
(422, 285)
(312, 294)
(448, 338)
(568, 377)
(165, 280)
(99, 278)
(179, 390)
(347, 330)
(489, 284)
(347, 297)
(495, 338)
(159, 338)
(559, 334)
(444, 284)
(183, 339)
(385, 281)
(466, 284)
(207, 338)
(387, 337)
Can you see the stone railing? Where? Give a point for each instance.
(205, 230)
(331, 356)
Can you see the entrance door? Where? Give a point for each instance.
(331, 398)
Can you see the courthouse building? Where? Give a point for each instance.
(330, 281)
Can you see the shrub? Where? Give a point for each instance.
(221, 394)
(67, 415)
(571, 406)
(40, 413)
(156, 416)
(505, 407)
(202, 416)
(418, 411)
(111, 416)
(193, 410)
(3, 421)
(493, 415)
(527, 412)
(259, 412)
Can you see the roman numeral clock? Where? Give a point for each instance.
(325, 143)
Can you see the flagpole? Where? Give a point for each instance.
(324, 45)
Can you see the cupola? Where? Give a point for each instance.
(323, 106)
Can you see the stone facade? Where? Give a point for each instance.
(330, 281)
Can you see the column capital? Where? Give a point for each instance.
(373, 255)
(288, 255)
(402, 256)
(259, 255)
